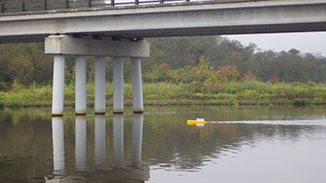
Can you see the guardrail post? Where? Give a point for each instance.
(23, 5)
(136, 2)
(45, 5)
(187, 1)
(89, 3)
(161, 1)
(112, 2)
(1, 8)
(67, 4)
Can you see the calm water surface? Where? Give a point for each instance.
(242, 144)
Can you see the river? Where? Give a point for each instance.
(247, 144)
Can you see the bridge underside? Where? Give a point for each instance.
(280, 28)
(169, 20)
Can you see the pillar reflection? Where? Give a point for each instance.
(118, 151)
(80, 146)
(58, 147)
(101, 174)
(137, 139)
(100, 149)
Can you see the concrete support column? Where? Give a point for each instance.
(117, 85)
(100, 150)
(137, 139)
(80, 140)
(137, 91)
(118, 144)
(58, 85)
(80, 94)
(58, 147)
(99, 85)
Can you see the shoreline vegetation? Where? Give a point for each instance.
(209, 70)
(164, 93)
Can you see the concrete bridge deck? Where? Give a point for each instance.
(181, 19)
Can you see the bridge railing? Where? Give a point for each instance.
(7, 6)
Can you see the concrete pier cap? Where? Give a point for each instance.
(68, 45)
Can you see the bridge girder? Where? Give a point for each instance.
(170, 20)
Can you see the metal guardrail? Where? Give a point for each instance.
(39, 5)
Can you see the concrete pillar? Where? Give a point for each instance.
(137, 139)
(80, 94)
(117, 85)
(100, 150)
(58, 85)
(118, 144)
(58, 147)
(80, 146)
(137, 91)
(99, 85)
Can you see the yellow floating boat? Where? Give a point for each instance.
(196, 122)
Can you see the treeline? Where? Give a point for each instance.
(291, 66)
(172, 59)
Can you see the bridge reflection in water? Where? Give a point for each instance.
(102, 173)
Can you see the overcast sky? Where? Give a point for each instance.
(313, 42)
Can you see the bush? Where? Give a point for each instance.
(273, 79)
(229, 73)
(4, 86)
(195, 75)
(249, 76)
(160, 72)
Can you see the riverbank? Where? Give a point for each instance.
(163, 93)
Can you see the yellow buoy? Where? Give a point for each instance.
(196, 122)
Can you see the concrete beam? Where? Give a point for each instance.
(198, 18)
(68, 45)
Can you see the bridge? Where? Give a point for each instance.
(117, 29)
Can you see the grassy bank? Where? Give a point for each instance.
(227, 93)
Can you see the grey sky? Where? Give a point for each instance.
(313, 42)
